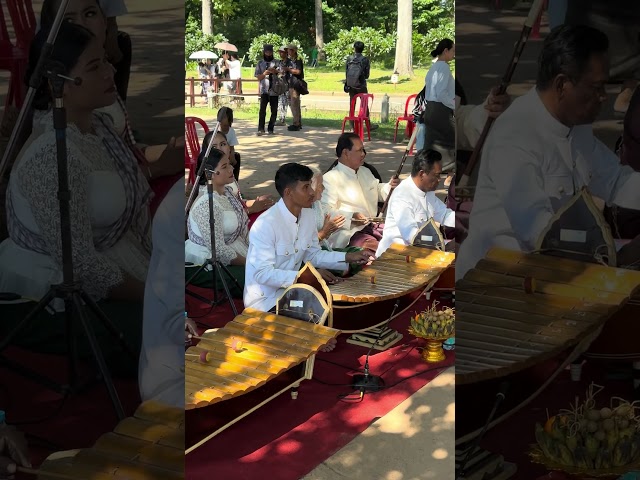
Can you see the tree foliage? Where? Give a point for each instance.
(255, 49)
(377, 45)
(242, 21)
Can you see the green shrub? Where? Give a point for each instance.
(377, 45)
(424, 44)
(255, 50)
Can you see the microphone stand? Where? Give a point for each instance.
(196, 183)
(367, 382)
(69, 290)
(217, 269)
(500, 396)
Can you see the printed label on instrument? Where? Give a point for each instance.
(576, 236)
(426, 238)
(297, 304)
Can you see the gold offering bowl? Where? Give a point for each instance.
(433, 351)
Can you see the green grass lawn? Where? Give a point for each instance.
(312, 118)
(323, 79)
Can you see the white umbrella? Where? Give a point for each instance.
(202, 54)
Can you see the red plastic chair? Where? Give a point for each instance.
(362, 118)
(192, 145)
(407, 117)
(14, 55)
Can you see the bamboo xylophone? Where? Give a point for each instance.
(271, 345)
(148, 445)
(502, 329)
(365, 300)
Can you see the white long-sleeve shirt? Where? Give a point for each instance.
(162, 354)
(347, 192)
(409, 207)
(440, 85)
(531, 165)
(279, 245)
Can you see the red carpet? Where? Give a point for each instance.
(49, 424)
(286, 439)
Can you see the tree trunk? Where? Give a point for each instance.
(319, 31)
(206, 17)
(404, 46)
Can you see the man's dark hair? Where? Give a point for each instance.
(424, 160)
(358, 47)
(345, 141)
(567, 50)
(225, 112)
(291, 173)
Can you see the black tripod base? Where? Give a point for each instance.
(367, 383)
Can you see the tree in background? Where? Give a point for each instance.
(319, 28)
(404, 44)
(206, 17)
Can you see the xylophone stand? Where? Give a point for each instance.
(69, 290)
(217, 269)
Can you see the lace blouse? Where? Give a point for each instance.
(108, 209)
(231, 225)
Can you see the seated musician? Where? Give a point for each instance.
(231, 228)
(414, 202)
(284, 238)
(542, 150)
(161, 164)
(108, 207)
(328, 225)
(353, 192)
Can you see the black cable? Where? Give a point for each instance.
(340, 365)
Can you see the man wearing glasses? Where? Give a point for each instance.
(541, 151)
(354, 192)
(414, 202)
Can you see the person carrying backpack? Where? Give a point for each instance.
(357, 72)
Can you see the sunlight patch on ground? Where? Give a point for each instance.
(440, 454)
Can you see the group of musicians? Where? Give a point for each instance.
(287, 235)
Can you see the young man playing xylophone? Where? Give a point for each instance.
(414, 202)
(285, 237)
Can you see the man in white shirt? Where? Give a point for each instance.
(541, 150)
(284, 238)
(414, 202)
(160, 375)
(353, 192)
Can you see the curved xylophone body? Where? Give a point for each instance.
(365, 300)
(148, 445)
(277, 353)
(525, 336)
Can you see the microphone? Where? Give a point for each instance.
(368, 382)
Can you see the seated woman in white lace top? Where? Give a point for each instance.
(162, 164)
(109, 203)
(231, 224)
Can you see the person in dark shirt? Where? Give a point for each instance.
(294, 69)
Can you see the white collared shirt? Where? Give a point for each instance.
(409, 207)
(531, 165)
(162, 354)
(440, 85)
(279, 245)
(347, 192)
